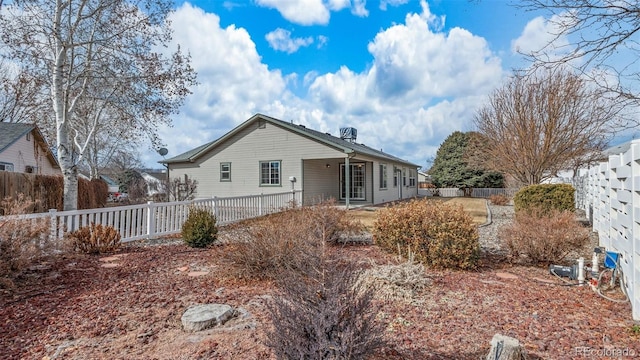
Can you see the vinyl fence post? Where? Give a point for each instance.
(215, 208)
(53, 224)
(260, 202)
(150, 220)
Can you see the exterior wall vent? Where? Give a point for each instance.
(348, 133)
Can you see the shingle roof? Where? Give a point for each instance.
(12, 132)
(327, 139)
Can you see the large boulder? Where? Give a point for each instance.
(204, 316)
(506, 348)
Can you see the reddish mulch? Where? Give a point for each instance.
(74, 308)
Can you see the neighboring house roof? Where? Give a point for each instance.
(617, 150)
(343, 145)
(12, 132)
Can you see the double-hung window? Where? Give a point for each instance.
(395, 176)
(383, 176)
(225, 171)
(270, 173)
(412, 178)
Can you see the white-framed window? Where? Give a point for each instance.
(383, 176)
(270, 173)
(225, 171)
(6, 166)
(412, 178)
(395, 177)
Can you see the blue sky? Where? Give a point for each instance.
(405, 73)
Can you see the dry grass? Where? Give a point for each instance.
(477, 208)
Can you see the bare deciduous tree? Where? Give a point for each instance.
(536, 126)
(21, 97)
(98, 58)
(182, 189)
(601, 35)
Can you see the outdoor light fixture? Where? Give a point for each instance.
(328, 166)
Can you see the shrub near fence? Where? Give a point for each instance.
(46, 190)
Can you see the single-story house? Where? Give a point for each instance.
(265, 155)
(24, 149)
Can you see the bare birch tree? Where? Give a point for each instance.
(601, 35)
(536, 126)
(99, 55)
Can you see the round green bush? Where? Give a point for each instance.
(200, 229)
(545, 197)
(438, 234)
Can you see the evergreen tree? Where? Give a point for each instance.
(451, 166)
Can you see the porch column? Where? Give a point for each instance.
(347, 182)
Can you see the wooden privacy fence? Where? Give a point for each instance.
(150, 220)
(476, 192)
(610, 195)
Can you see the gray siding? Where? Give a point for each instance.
(244, 151)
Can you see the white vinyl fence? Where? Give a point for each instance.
(151, 220)
(610, 195)
(476, 192)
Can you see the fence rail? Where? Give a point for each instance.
(610, 195)
(150, 220)
(475, 192)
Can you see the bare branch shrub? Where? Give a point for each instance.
(543, 236)
(95, 239)
(499, 199)
(397, 282)
(328, 314)
(22, 241)
(290, 240)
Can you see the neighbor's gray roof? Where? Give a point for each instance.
(617, 149)
(12, 132)
(325, 138)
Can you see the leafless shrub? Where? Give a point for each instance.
(499, 199)
(22, 241)
(289, 241)
(397, 282)
(541, 237)
(327, 314)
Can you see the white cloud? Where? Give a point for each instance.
(313, 12)
(359, 8)
(303, 12)
(384, 3)
(281, 40)
(421, 85)
(541, 36)
(233, 82)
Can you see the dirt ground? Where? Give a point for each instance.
(128, 306)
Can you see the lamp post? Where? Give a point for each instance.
(163, 152)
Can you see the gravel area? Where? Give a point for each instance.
(498, 216)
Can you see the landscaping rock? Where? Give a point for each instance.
(506, 348)
(200, 317)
